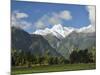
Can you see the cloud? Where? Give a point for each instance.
(39, 25)
(20, 15)
(17, 20)
(41, 22)
(91, 27)
(66, 15)
(53, 19)
(57, 18)
(91, 10)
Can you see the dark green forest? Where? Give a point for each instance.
(28, 59)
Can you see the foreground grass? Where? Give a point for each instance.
(53, 68)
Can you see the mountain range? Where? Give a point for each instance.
(35, 44)
(61, 32)
(56, 41)
(65, 39)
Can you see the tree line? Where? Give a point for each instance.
(20, 58)
(81, 56)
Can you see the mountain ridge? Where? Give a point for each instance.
(68, 38)
(36, 44)
(62, 32)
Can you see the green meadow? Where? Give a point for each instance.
(52, 68)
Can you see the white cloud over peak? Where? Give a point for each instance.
(17, 20)
(40, 25)
(66, 15)
(57, 18)
(53, 19)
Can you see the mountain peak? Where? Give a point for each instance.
(87, 29)
(58, 31)
(58, 26)
(61, 32)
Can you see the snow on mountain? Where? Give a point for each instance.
(42, 32)
(65, 39)
(57, 30)
(61, 32)
(87, 29)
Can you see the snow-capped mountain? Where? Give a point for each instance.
(87, 29)
(57, 30)
(65, 39)
(61, 32)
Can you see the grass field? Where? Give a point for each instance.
(53, 68)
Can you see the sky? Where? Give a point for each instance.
(35, 15)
